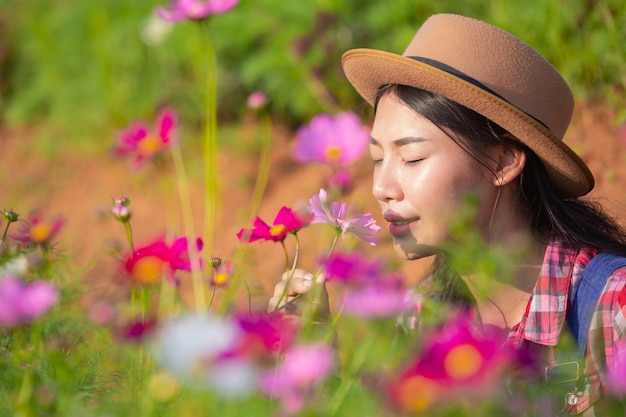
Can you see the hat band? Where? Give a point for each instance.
(455, 72)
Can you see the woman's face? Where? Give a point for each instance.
(422, 178)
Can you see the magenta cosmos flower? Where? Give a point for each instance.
(335, 214)
(285, 222)
(36, 231)
(615, 381)
(336, 141)
(147, 264)
(375, 300)
(303, 368)
(456, 361)
(141, 145)
(22, 303)
(370, 292)
(194, 9)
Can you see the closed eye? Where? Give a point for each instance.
(412, 162)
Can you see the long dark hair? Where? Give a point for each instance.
(578, 223)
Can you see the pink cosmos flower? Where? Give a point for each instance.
(456, 362)
(257, 100)
(336, 141)
(141, 145)
(39, 232)
(194, 9)
(266, 333)
(615, 381)
(354, 268)
(147, 263)
(22, 303)
(285, 222)
(334, 213)
(385, 298)
(303, 367)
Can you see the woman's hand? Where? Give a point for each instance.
(291, 295)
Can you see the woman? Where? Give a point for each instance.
(470, 110)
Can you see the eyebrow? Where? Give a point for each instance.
(402, 141)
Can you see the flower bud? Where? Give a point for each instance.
(10, 215)
(122, 201)
(215, 261)
(121, 212)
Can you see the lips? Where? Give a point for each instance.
(398, 225)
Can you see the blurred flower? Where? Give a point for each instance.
(194, 9)
(303, 367)
(139, 330)
(155, 30)
(334, 213)
(17, 266)
(622, 134)
(147, 264)
(21, 302)
(384, 298)
(336, 141)
(38, 232)
(101, 312)
(138, 143)
(222, 273)
(457, 361)
(352, 268)
(266, 333)
(340, 180)
(196, 349)
(257, 100)
(615, 381)
(163, 386)
(286, 221)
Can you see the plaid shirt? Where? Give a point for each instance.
(546, 311)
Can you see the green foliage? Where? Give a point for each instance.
(84, 67)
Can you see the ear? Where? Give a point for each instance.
(511, 162)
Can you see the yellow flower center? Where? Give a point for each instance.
(150, 146)
(39, 233)
(463, 362)
(147, 270)
(277, 230)
(333, 153)
(417, 393)
(220, 278)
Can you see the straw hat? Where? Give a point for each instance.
(491, 72)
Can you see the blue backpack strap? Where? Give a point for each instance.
(587, 295)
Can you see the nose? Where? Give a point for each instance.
(386, 185)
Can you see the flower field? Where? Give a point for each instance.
(136, 270)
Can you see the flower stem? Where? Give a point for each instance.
(129, 236)
(210, 142)
(185, 201)
(291, 271)
(4, 234)
(264, 165)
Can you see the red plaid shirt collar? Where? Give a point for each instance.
(545, 313)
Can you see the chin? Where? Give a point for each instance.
(414, 252)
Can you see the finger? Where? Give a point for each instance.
(297, 273)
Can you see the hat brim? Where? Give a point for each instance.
(369, 69)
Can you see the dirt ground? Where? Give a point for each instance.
(80, 188)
